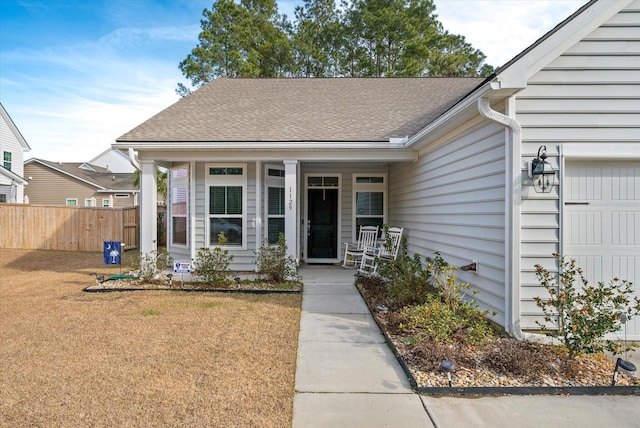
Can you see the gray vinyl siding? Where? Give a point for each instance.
(591, 95)
(452, 200)
(243, 259)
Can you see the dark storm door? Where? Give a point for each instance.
(322, 229)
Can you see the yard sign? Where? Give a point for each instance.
(112, 252)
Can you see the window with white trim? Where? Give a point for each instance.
(89, 202)
(71, 202)
(179, 204)
(3, 198)
(7, 160)
(369, 204)
(275, 203)
(106, 203)
(226, 192)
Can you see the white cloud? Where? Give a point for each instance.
(71, 102)
(501, 29)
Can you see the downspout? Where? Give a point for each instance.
(133, 159)
(512, 213)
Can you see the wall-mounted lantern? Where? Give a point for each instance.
(541, 172)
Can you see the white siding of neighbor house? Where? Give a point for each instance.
(589, 95)
(452, 200)
(10, 143)
(114, 160)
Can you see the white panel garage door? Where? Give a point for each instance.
(602, 223)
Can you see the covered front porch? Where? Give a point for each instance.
(317, 201)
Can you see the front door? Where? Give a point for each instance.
(322, 227)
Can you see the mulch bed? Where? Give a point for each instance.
(251, 287)
(503, 365)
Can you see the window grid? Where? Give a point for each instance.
(179, 194)
(7, 160)
(226, 203)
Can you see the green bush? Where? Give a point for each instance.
(434, 300)
(445, 280)
(437, 321)
(581, 313)
(213, 266)
(273, 261)
(406, 278)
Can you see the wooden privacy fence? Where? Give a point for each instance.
(46, 227)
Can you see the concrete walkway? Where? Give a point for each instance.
(346, 375)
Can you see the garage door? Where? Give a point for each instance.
(602, 223)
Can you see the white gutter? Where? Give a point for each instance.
(512, 215)
(133, 159)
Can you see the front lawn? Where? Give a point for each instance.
(151, 358)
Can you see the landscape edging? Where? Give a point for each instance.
(192, 290)
(471, 391)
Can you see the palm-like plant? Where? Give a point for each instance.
(161, 179)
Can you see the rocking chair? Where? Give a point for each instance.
(353, 252)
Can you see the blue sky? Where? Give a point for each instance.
(77, 74)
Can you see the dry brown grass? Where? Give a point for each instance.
(147, 358)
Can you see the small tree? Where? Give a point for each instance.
(274, 262)
(583, 314)
(213, 266)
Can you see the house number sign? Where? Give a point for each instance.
(290, 199)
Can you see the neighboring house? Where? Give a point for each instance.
(78, 184)
(447, 159)
(113, 160)
(12, 148)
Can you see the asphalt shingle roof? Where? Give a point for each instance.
(102, 177)
(271, 110)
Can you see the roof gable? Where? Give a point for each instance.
(304, 110)
(94, 175)
(14, 129)
(516, 72)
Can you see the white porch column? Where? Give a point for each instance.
(291, 208)
(148, 206)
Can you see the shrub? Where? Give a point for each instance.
(437, 321)
(273, 261)
(583, 314)
(408, 281)
(213, 266)
(150, 265)
(441, 314)
(445, 280)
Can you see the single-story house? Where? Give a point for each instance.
(12, 148)
(78, 184)
(456, 162)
